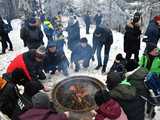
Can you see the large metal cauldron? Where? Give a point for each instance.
(76, 94)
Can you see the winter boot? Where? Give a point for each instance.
(98, 67)
(104, 69)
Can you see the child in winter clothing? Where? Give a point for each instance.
(82, 51)
(8, 97)
(55, 59)
(119, 64)
(126, 94)
(109, 109)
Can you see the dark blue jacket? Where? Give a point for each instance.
(73, 35)
(87, 20)
(54, 58)
(80, 52)
(98, 19)
(153, 32)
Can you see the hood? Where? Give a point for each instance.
(110, 109)
(124, 92)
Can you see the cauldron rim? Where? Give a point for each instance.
(73, 78)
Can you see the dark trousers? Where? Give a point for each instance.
(4, 44)
(136, 55)
(87, 29)
(9, 41)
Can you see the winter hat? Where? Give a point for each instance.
(32, 87)
(41, 100)
(150, 47)
(157, 18)
(83, 40)
(41, 50)
(32, 21)
(101, 97)
(113, 79)
(51, 43)
(110, 109)
(119, 56)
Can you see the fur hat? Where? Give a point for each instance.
(41, 50)
(41, 100)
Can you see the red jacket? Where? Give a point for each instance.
(18, 62)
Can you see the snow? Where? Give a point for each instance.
(117, 47)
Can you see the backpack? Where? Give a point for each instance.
(3, 82)
(152, 82)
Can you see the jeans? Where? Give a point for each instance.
(106, 54)
(85, 63)
(61, 66)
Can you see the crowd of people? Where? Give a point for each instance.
(124, 97)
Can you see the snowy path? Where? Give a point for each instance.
(117, 47)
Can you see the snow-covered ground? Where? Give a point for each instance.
(117, 47)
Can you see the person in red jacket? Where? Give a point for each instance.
(29, 63)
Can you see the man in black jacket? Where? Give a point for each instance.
(102, 37)
(31, 34)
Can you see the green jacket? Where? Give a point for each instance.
(155, 67)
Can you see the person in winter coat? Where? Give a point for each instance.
(119, 64)
(151, 59)
(31, 34)
(8, 28)
(48, 29)
(24, 101)
(132, 38)
(73, 30)
(109, 108)
(8, 97)
(102, 36)
(30, 63)
(153, 31)
(126, 95)
(87, 20)
(41, 110)
(98, 18)
(150, 62)
(82, 51)
(4, 38)
(55, 60)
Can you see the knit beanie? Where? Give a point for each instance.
(41, 100)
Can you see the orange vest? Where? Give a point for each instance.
(3, 82)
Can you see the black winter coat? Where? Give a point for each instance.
(132, 38)
(133, 105)
(31, 36)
